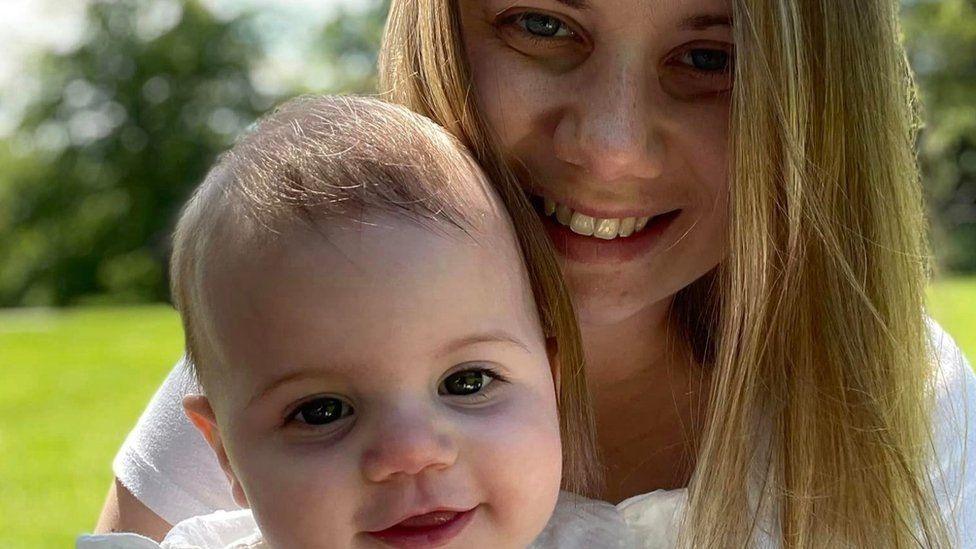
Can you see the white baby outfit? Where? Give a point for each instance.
(577, 523)
(167, 465)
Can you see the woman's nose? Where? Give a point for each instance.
(408, 444)
(609, 130)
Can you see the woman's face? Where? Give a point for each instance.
(618, 113)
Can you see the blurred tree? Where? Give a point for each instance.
(120, 132)
(348, 46)
(941, 42)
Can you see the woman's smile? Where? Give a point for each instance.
(588, 236)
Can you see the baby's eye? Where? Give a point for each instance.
(542, 25)
(466, 382)
(321, 411)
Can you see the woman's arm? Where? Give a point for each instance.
(165, 472)
(122, 512)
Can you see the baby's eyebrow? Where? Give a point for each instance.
(497, 336)
(293, 377)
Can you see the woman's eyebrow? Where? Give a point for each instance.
(704, 21)
(575, 4)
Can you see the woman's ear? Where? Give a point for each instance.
(201, 415)
(552, 349)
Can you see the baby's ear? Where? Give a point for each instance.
(552, 349)
(201, 415)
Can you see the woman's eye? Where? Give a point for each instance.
(542, 25)
(700, 70)
(321, 411)
(706, 60)
(465, 383)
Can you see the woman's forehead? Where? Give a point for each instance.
(654, 23)
(635, 10)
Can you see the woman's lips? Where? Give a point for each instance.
(588, 249)
(432, 529)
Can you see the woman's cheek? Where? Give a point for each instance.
(509, 95)
(696, 135)
(713, 170)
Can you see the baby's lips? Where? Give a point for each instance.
(434, 518)
(425, 517)
(426, 530)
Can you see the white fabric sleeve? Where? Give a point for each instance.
(581, 523)
(166, 463)
(954, 437)
(115, 541)
(220, 530)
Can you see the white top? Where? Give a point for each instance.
(576, 523)
(167, 465)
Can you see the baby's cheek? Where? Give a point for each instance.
(293, 492)
(518, 461)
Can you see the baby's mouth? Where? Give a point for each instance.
(429, 520)
(425, 530)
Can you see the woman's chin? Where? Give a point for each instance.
(604, 301)
(635, 292)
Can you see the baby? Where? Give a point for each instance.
(387, 360)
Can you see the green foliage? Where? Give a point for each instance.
(124, 128)
(941, 41)
(121, 131)
(349, 44)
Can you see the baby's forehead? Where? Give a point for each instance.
(379, 244)
(369, 182)
(362, 292)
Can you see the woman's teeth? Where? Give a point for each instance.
(605, 228)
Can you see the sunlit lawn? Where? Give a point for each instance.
(71, 386)
(72, 383)
(953, 303)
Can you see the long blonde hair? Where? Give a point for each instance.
(819, 413)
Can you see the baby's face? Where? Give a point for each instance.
(385, 385)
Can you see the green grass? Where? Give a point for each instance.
(72, 384)
(952, 302)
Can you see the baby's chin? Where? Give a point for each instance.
(518, 526)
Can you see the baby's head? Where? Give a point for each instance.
(377, 359)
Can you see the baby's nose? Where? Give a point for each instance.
(408, 444)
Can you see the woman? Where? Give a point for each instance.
(748, 260)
